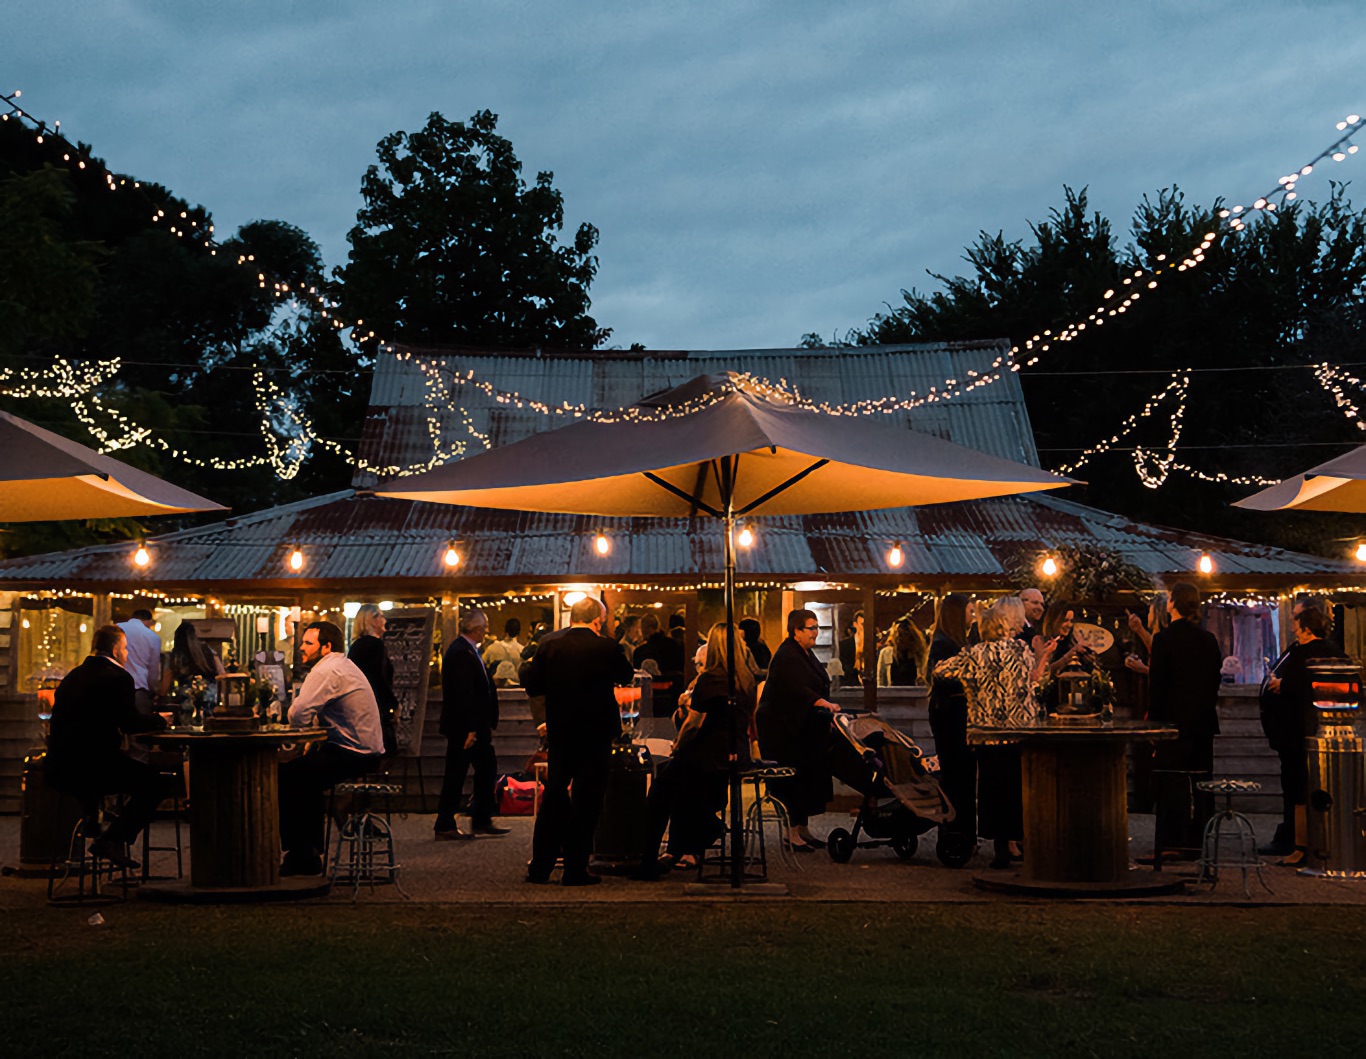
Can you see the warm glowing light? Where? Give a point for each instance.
(810, 586)
(452, 556)
(746, 537)
(602, 544)
(1361, 552)
(386, 604)
(141, 557)
(83, 627)
(1206, 564)
(296, 560)
(25, 622)
(895, 556)
(350, 609)
(157, 626)
(1050, 566)
(570, 598)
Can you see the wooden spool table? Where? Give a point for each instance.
(235, 816)
(1076, 814)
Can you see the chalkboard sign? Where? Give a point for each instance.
(408, 639)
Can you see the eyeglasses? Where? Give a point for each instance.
(811, 628)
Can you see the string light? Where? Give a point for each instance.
(1361, 552)
(1050, 566)
(452, 557)
(745, 538)
(296, 560)
(141, 557)
(602, 544)
(1206, 564)
(895, 555)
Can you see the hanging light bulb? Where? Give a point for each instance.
(1050, 566)
(745, 538)
(296, 560)
(1361, 552)
(452, 557)
(602, 544)
(142, 556)
(1206, 564)
(895, 555)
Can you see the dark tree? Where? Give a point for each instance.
(1263, 308)
(453, 247)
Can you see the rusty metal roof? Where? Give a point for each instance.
(353, 539)
(401, 424)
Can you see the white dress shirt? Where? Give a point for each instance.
(337, 697)
(144, 655)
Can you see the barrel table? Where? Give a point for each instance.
(235, 816)
(1076, 814)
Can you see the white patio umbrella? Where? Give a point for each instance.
(44, 476)
(722, 446)
(1338, 485)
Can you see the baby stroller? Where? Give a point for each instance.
(901, 800)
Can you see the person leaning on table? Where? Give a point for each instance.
(337, 698)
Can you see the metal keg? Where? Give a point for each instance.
(1336, 804)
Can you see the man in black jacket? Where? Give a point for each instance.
(469, 714)
(93, 709)
(667, 654)
(576, 670)
(1184, 684)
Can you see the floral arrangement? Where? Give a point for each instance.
(1086, 574)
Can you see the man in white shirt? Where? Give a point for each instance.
(144, 658)
(508, 649)
(337, 697)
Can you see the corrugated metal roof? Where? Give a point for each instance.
(398, 426)
(360, 538)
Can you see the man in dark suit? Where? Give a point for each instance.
(1184, 684)
(469, 714)
(93, 709)
(575, 669)
(667, 654)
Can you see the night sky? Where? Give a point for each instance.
(757, 169)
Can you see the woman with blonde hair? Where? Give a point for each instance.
(999, 676)
(372, 658)
(690, 788)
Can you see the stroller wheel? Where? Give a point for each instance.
(840, 845)
(954, 851)
(905, 846)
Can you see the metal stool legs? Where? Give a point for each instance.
(78, 864)
(1228, 828)
(365, 841)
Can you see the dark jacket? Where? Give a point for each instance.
(668, 655)
(576, 670)
(1184, 679)
(724, 730)
(92, 711)
(1288, 716)
(790, 724)
(947, 696)
(469, 701)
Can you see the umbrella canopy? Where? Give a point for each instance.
(45, 476)
(717, 445)
(1338, 485)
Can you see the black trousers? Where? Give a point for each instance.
(114, 773)
(684, 798)
(1000, 800)
(567, 820)
(458, 762)
(303, 783)
(957, 769)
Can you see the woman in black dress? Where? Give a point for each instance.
(190, 657)
(1287, 711)
(372, 658)
(691, 787)
(795, 729)
(948, 708)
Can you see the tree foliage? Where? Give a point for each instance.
(1265, 306)
(453, 247)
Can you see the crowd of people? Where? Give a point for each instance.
(987, 667)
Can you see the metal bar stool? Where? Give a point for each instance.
(77, 863)
(173, 782)
(754, 851)
(1231, 829)
(366, 838)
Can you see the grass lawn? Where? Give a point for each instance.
(757, 980)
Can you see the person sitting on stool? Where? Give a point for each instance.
(337, 697)
(93, 709)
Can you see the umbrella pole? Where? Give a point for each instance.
(737, 845)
